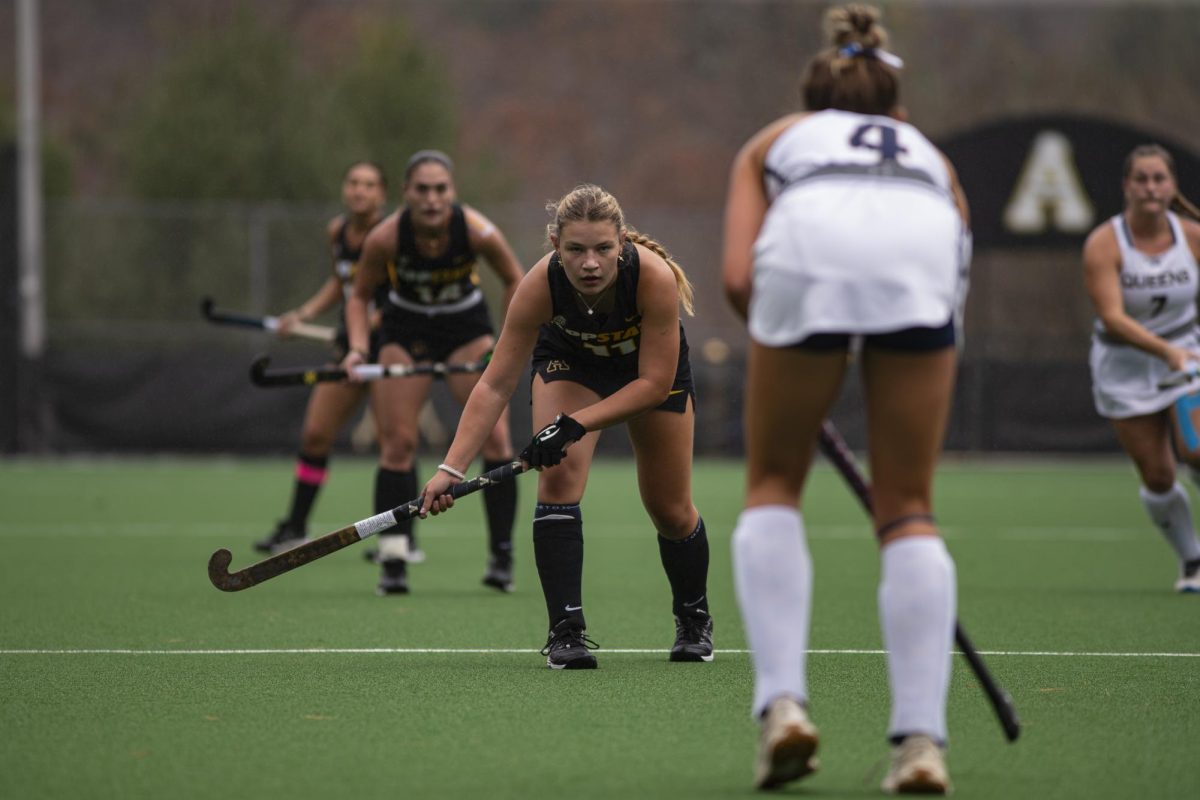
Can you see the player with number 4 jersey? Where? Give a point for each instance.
(844, 224)
(829, 176)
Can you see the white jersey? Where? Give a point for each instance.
(1159, 291)
(862, 234)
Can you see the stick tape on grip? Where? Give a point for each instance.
(373, 525)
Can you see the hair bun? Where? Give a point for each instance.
(854, 23)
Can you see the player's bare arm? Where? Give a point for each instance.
(490, 242)
(745, 209)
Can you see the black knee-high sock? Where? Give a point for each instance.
(310, 475)
(393, 488)
(686, 564)
(558, 551)
(500, 503)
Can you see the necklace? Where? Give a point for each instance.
(591, 307)
(602, 299)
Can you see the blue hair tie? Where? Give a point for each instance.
(855, 49)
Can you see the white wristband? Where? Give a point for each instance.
(449, 470)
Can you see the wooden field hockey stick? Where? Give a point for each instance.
(276, 565)
(834, 448)
(303, 330)
(307, 376)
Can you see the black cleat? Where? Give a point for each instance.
(693, 638)
(1189, 579)
(284, 537)
(394, 579)
(568, 647)
(499, 574)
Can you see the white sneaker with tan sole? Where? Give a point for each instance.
(918, 767)
(786, 749)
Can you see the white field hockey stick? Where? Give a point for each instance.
(304, 330)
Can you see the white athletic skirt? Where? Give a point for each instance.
(1125, 379)
(857, 259)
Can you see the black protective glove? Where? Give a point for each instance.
(548, 446)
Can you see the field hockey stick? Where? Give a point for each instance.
(1189, 373)
(304, 330)
(834, 448)
(276, 565)
(307, 376)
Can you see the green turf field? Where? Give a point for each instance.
(124, 674)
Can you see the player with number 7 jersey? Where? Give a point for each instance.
(1140, 271)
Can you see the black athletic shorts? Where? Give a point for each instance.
(909, 340)
(433, 337)
(555, 366)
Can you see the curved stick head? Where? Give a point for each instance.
(218, 571)
(206, 307)
(258, 370)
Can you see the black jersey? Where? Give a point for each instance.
(447, 279)
(346, 260)
(609, 340)
(345, 257)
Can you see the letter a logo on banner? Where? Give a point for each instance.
(1049, 194)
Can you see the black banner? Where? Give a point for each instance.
(1047, 181)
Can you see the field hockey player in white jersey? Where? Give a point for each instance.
(1140, 271)
(844, 224)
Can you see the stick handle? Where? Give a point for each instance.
(260, 375)
(223, 579)
(303, 330)
(1189, 373)
(834, 448)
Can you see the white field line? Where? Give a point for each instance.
(508, 651)
(815, 531)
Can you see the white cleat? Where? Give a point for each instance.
(786, 749)
(1189, 577)
(918, 767)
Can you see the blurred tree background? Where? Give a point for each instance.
(195, 147)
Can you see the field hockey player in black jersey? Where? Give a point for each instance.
(426, 256)
(599, 315)
(330, 406)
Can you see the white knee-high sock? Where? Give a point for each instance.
(1172, 513)
(917, 598)
(772, 572)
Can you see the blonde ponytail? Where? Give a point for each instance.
(687, 295)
